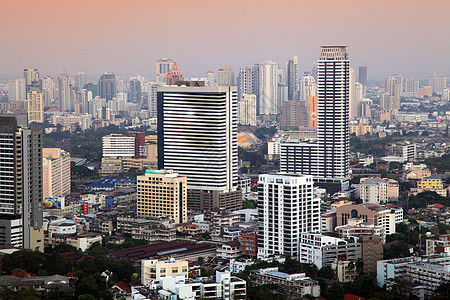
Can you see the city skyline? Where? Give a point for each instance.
(403, 39)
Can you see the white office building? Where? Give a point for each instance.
(268, 88)
(287, 207)
(117, 145)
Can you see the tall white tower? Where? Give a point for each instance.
(268, 88)
(333, 112)
(287, 207)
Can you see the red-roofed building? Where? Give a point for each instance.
(352, 297)
(121, 288)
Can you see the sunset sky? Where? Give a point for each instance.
(126, 37)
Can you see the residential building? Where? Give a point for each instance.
(204, 149)
(322, 250)
(230, 250)
(135, 90)
(438, 83)
(362, 75)
(80, 80)
(247, 110)
(372, 252)
(287, 207)
(154, 269)
(66, 94)
(298, 283)
(247, 81)
(162, 193)
(267, 96)
(249, 244)
(163, 67)
(274, 145)
(225, 76)
(430, 182)
(378, 190)
(358, 228)
(174, 75)
(117, 145)
(35, 101)
(56, 172)
(21, 182)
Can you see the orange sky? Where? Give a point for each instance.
(127, 36)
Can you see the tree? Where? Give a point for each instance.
(335, 292)
(30, 261)
(88, 286)
(325, 272)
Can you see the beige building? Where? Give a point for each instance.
(293, 114)
(344, 270)
(247, 110)
(56, 172)
(153, 269)
(162, 193)
(35, 105)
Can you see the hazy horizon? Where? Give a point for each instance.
(409, 37)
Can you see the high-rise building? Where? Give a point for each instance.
(107, 86)
(197, 137)
(174, 74)
(292, 78)
(210, 78)
(66, 103)
(16, 90)
(163, 67)
(287, 207)
(362, 75)
(412, 85)
(135, 90)
(438, 83)
(293, 115)
(35, 104)
(394, 88)
(152, 103)
(56, 172)
(327, 159)
(48, 89)
(21, 183)
(225, 76)
(80, 80)
(267, 96)
(308, 87)
(247, 110)
(247, 81)
(31, 77)
(162, 193)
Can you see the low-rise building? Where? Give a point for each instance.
(229, 250)
(344, 270)
(298, 283)
(321, 250)
(154, 269)
(441, 245)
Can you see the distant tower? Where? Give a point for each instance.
(80, 80)
(393, 89)
(174, 74)
(107, 86)
(247, 81)
(35, 104)
(163, 66)
(210, 78)
(48, 89)
(267, 88)
(362, 75)
(135, 90)
(292, 78)
(225, 76)
(31, 77)
(247, 110)
(65, 94)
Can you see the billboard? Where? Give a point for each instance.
(53, 203)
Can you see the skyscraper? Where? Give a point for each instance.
(292, 78)
(163, 67)
(267, 96)
(210, 78)
(225, 76)
(31, 77)
(356, 93)
(107, 86)
(394, 88)
(21, 182)
(35, 105)
(326, 160)
(412, 85)
(362, 75)
(287, 207)
(438, 83)
(66, 103)
(48, 89)
(16, 90)
(247, 81)
(80, 80)
(135, 90)
(197, 137)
